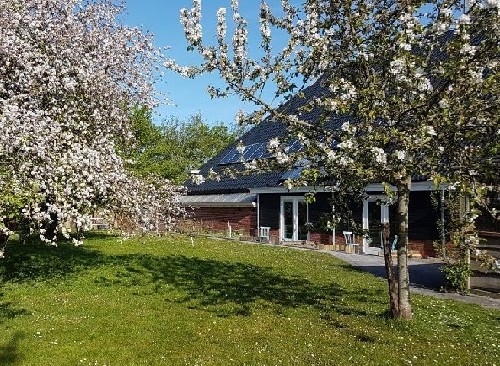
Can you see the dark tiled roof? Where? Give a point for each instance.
(261, 133)
(241, 183)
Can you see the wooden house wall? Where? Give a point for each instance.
(269, 210)
(422, 217)
(321, 206)
(270, 203)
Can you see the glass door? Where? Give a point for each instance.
(375, 214)
(288, 220)
(374, 225)
(294, 216)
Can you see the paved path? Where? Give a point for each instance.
(425, 277)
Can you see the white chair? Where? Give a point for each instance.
(264, 233)
(350, 243)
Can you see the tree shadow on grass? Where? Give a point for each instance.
(215, 282)
(232, 288)
(223, 287)
(39, 262)
(98, 234)
(9, 354)
(8, 311)
(426, 275)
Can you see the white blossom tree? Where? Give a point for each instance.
(69, 77)
(419, 80)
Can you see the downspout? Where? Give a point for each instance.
(258, 217)
(333, 218)
(443, 232)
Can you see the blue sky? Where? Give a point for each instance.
(189, 96)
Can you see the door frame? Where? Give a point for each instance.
(295, 207)
(384, 218)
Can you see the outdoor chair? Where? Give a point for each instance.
(264, 233)
(350, 242)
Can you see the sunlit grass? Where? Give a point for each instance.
(163, 301)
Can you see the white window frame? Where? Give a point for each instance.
(295, 202)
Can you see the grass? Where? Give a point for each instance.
(166, 302)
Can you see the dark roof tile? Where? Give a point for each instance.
(261, 133)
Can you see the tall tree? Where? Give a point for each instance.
(170, 150)
(68, 72)
(196, 142)
(419, 80)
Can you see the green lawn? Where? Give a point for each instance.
(166, 302)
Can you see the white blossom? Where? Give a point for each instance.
(251, 165)
(443, 103)
(331, 155)
(221, 22)
(379, 155)
(197, 179)
(346, 144)
(464, 19)
(400, 154)
(397, 66)
(273, 143)
(429, 130)
(282, 157)
(240, 117)
(264, 20)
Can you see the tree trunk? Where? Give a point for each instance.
(389, 270)
(3, 242)
(4, 236)
(404, 306)
(466, 228)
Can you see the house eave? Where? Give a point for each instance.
(219, 204)
(220, 200)
(374, 187)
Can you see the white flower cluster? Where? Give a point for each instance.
(221, 22)
(273, 144)
(379, 155)
(191, 21)
(265, 12)
(400, 154)
(344, 89)
(239, 43)
(197, 179)
(153, 205)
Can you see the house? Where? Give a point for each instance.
(260, 205)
